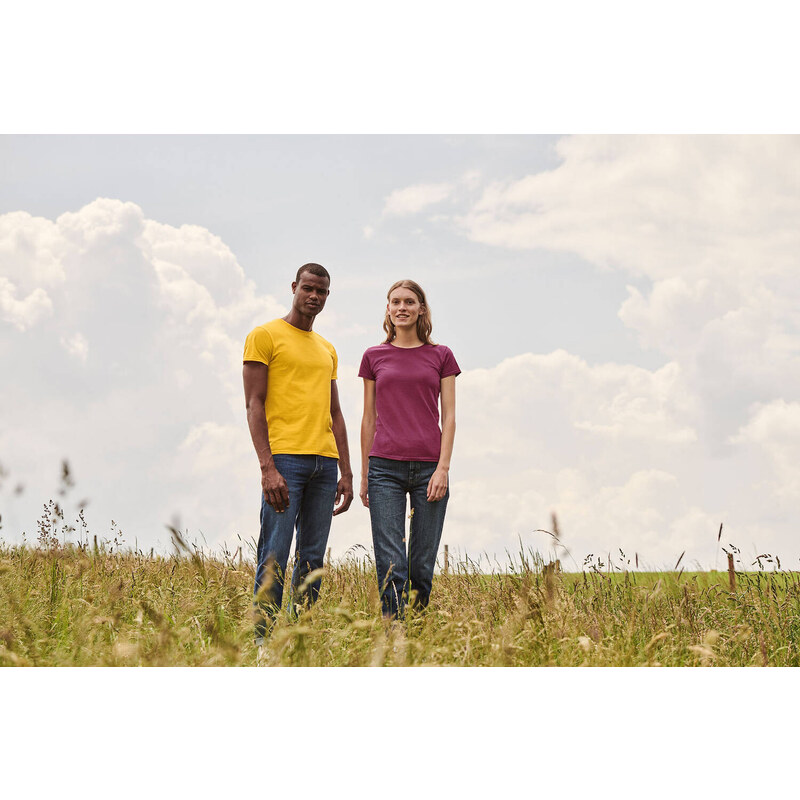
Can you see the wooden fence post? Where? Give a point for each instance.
(328, 558)
(731, 573)
(446, 559)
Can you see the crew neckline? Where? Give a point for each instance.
(397, 347)
(294, 327)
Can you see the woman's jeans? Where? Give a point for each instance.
(388, 483)
(312, 482)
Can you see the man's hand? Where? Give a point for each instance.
(276, 492)
(363, 493)
(437, 485)
(344, 494)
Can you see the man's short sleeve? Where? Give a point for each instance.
(365, 370)
(258, 346)
(335, 363)
(449, 364)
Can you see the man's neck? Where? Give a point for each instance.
(302, 321)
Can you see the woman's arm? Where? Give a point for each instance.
(437, 486)
(368, 421)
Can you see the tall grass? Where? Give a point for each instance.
(101, 605)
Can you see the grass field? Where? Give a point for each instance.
(81, 605)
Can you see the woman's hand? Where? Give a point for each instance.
(363, 493)
(437, 485)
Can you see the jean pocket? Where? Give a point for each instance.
(381, 467)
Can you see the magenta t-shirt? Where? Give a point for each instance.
(407, 388)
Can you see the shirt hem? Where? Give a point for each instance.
(327, 454)
(405, 458)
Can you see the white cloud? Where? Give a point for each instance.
(773, 430)
(166, 311)
(777, 423)
(673, 316)
(609, 400)
(413, 199)
(30, 251)
(659, 206)
(646, 514)
(105, 221)
(23, 313)
(542, 433)
(77, 346)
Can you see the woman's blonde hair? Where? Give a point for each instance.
(424, 325)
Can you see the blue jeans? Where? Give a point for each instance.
(312, 482)
(388, 483)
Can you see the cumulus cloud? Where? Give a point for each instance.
(124, 357)
(30, 251)
(773, 431)
(26, 312)
(613, 401)
(413, 199)
(77, 346)
(600, 445)
(776, 423)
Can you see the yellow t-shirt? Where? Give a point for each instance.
(301, 365)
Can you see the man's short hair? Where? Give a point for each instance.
(314, 269)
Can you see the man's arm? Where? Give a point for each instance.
(254, 376)
(344, 489)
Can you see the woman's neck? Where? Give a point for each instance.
(406, 338)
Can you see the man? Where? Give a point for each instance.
(298, 432)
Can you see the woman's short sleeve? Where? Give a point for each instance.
(365, 370)
(449, 364)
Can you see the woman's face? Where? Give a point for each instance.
(404, 308)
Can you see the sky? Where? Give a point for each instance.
(623, 308)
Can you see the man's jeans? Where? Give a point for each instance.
(388, 483)
(312, 482)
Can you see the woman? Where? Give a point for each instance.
(403, 450)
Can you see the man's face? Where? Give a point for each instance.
(310, 294)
